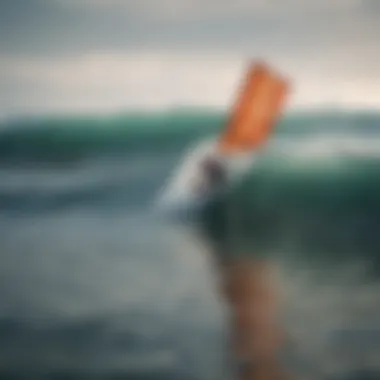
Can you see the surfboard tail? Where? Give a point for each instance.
(258, 107)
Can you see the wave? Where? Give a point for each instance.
(65, 139)
(314, 188)
(74, 139)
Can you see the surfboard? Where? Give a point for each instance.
(258, 106)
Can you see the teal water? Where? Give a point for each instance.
(95, 284)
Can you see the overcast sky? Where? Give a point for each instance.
(104, 55)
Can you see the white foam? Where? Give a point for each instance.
(326, 146)
(187, 187)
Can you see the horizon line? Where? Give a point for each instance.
(194, 109)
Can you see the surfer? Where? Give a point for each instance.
(245, 281)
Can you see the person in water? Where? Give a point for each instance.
(244, 282)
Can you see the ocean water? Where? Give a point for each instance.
(96, 284)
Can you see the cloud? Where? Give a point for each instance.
(94, 54)
(107, 81)
(68, 26)
(113, 81)
(207, 7)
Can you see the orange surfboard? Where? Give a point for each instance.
(258, 107)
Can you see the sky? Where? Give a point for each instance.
(105, 55)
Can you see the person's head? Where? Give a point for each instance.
(214, 171)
